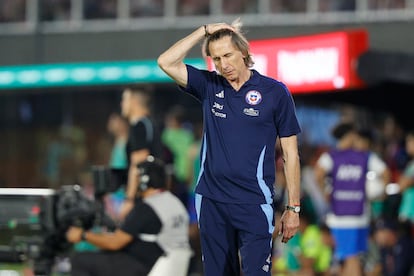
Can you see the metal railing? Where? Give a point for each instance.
(48, 16)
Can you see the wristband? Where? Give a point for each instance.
(83, 236)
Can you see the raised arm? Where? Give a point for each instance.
(172, 60)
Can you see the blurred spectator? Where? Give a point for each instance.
(70, 168)
(142, 8)
(286, 257)
(176, 137)
(395, 155)
(309, 252)
(336, 5)
(57, 149)
(392, 135)
(364, 142)
(100, 9)
(179, 139)
(55, 10)
(371, 261)
(345, 169)
(66, 156)
(193, 7)
(312, 194)
(406, 182)
(289, 6)
(239, 6)
(386, 4)
(396, 245)
(118, 127)
(316, 249)
(12, 10)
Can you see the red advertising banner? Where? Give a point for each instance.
(312, 63)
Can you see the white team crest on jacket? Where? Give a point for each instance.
(253, 97)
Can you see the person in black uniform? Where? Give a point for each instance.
(135, 107)
(156, 225)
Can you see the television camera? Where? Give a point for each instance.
(33, 222)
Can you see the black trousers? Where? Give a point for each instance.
(106, 264)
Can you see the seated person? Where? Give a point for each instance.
(309, 252)
(396, 246)
(157, 224)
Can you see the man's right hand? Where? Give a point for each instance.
(289, 225)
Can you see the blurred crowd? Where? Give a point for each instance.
(56, 10)
(389, 206)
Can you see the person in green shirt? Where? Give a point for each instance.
(316, 251)
(309, 252)
(178, 139)
(406, 182)
(117, 127)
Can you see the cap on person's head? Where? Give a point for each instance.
(342, 129)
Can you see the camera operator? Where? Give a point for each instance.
(156, 225)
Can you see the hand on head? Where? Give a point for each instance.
(214, 27)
